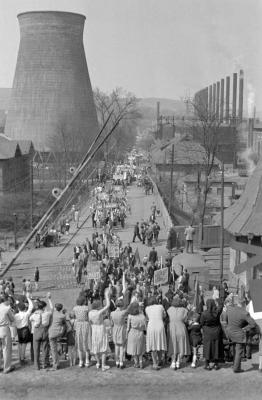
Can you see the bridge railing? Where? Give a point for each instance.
(167, 221)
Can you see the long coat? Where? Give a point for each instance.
(212, 336)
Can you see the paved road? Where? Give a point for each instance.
(76, 383)
(50, 261)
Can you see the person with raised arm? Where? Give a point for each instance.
(99, 345)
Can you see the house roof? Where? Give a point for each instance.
(245, 215)
(186, 151)
(9, 147)
(25, 146)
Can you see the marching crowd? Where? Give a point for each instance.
(124, 312)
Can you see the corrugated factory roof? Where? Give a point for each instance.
(245, 215)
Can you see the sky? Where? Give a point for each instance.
(155, 48)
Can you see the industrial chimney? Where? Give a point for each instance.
(241, 95)
(51, 91)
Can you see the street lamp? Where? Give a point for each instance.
(15, 230)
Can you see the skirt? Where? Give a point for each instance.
(99, 339)
(24, 335)
(82, 335)
(119, 335)
(156, 338)
(136, 342)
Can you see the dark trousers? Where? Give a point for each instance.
(40, 337)
(238, 352)
(137, 235)
(189, 246)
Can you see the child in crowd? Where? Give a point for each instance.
(195, 336)
(70, 335)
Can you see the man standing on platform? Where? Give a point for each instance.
(189, 232)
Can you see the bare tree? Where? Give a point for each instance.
(204, 126)
(123, 106)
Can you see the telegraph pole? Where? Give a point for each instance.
(171, 179)
(31, 177)
(222, 226)
(15, 231)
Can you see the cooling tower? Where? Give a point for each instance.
(52, 94)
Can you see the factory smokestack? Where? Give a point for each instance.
(214, 100)
(218, 101)
(210, 101)
(227, 97)
(241, 95)
(234, 98)
(222, 95)
(51, 89)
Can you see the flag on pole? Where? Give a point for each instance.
(137, 257)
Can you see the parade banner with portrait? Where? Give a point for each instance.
(93, 270)
(113, 250)
(161, 276)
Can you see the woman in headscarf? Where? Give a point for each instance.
(212, 335)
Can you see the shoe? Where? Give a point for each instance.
(141, 366)
(105, 368)
(121, 366)
(156, 367)
(193, 365)
(53, 369)
(136, 365)
(177, 365)
(117, 365)
(87, 364)
(238, 371)
(216, 367)
(97, 365)
(207, 367)
(6, 371)
(173, 365)
(81, 365)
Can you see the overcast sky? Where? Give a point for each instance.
(154, 48)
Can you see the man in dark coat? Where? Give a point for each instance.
(153, 256)
(136, 233)
(238, 322)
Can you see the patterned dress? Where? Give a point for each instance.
(118, 318)
(82, 328)
(178, 342)
(136, 341)
(99, 343)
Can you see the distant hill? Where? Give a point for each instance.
(173, 106)
(148, 107)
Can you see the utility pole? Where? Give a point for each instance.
(171, 179)
(222, 226)
(31, 177)
(15, 231)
